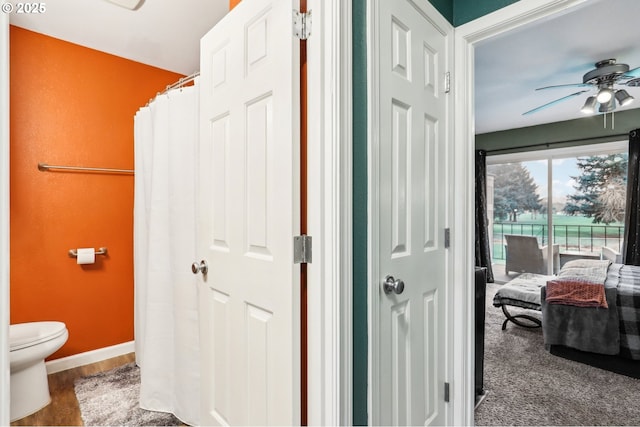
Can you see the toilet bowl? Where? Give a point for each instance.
(29, 344)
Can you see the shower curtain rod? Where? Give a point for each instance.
(183, 81)
(549, 144)
(180, 83)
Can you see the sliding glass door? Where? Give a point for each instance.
(559, 204)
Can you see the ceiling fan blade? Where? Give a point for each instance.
(631, 83)
(557, 101)
(567, 85)
(631, 74)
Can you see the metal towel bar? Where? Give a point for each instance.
(45, 167)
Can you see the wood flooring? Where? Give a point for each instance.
(64, 409)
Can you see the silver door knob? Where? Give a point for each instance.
(393, 285)
(202, 267)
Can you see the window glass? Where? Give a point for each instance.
(573, 199)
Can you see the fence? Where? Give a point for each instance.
(571, 238)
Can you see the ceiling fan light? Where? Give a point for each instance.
(605, 95)
(607, 107)
(623, 97)
(589, 105)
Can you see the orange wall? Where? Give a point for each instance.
(71, 105)
(233, 3)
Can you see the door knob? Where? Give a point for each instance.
(393, 285)
(200, 268)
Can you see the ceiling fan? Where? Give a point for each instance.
(603, 78)
(128, 4)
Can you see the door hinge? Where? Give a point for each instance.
(302, 24)
(446, 392)
(447, 82)
(447, 238)
(302, 249)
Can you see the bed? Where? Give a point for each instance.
(610, 327)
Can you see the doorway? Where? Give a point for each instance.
(467, 37)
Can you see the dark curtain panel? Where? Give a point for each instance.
(631, 218)
(483, 240)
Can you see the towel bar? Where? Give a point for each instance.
(45, 167)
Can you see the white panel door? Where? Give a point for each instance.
(413, 181)
(248, 213)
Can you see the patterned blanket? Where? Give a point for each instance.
(580, 283)
(628, 303)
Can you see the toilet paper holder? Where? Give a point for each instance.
(73, 253)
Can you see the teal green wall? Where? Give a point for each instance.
(468, 10)
(359, 212)
(445, 7)
(457, 12)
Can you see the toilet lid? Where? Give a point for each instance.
(22, 335)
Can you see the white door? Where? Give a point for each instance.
(248, 213)
(412, 158)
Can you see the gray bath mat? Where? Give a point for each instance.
(111, 399)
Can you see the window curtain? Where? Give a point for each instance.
(483, 240)
(631, 216)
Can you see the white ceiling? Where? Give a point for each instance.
(560, 50)
(162, 33)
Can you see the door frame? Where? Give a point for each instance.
(373, 268)
(329, 198)
(465, 37)
(4, 219)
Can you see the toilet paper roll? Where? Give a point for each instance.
(86, 256)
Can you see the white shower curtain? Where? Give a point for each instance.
(166, 310)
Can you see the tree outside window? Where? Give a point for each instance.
(515, 191)
(600, 188)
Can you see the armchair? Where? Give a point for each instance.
(611, 254)
(523, 254)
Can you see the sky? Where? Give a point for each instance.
(563, 170)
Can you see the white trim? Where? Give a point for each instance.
(4, 219)
(329, 213)
(498, 22)
(345, 213)
(88, 357)
(462, 249)
(451, 261)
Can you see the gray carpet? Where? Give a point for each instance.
(528, 386)
(111, 399)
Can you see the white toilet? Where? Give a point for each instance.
(30, 343)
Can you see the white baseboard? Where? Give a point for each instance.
(89, 357)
